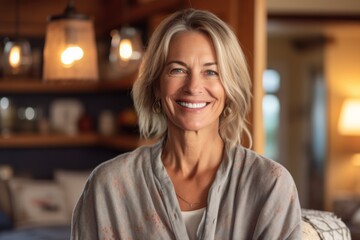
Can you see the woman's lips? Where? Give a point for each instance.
(192, 105)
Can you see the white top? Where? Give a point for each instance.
(192, 220)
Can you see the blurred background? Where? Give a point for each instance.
(67, 68)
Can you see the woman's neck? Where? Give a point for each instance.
(192, 152)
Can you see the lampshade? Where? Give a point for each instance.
(17, 58)
(349, 121)
(126, 51)
(70, 51)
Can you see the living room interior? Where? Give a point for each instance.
(303, 58)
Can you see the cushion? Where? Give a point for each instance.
(5, 201)
(326, 224)
(309, 232)
(5, 221)
(37, 203)
(73, 183)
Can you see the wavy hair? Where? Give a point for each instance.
(233, 72)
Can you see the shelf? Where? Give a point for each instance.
(46, 140)
(123, 142)
(37, 86)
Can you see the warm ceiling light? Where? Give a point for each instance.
(126, 51)
(17, 57)
(14, 56)
(70, 51)
(349, 121)
(71, 54)
(126, 45)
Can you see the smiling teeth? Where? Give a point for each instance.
(192, 105)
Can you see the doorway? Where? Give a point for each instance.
(296, 53)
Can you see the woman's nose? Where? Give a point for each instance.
(193, 84)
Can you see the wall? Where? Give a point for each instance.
(344, 7)
(342, 63)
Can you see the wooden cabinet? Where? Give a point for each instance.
(106, 15)
(38, 140)
(36, 154)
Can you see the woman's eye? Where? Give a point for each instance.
(176, 71)
(211, 73)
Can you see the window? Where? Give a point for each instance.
(271, 113)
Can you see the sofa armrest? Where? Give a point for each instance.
(326, 224)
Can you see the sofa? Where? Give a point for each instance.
(321, 225)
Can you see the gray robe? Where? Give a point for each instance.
(132, 197)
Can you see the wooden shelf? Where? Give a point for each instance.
(123, 142)
(37, 86)
(46, 140)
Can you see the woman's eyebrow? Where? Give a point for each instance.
(176, 62)
(185, 65)
(210, 64)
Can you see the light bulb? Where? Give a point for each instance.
(15, 56)
(71, 54)
(125, 49)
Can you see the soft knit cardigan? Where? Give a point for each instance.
(132, 197)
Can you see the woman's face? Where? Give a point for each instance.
(191, 92)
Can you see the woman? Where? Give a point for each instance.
(197, 182)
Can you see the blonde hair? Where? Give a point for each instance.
(232, 69)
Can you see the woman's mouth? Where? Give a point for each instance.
(192, 105)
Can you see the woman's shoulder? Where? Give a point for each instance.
(127, 163)
(260, 166)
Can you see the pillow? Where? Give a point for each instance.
(356, 218)
(73, 183)
(5, 201)
(37, 203)
(326, 224)
(309, 232)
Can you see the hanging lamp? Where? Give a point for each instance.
(17, 58)
(126, 47)
(70, 51)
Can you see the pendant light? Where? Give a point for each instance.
(17, 52)
(70, 51)
(126, 48)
